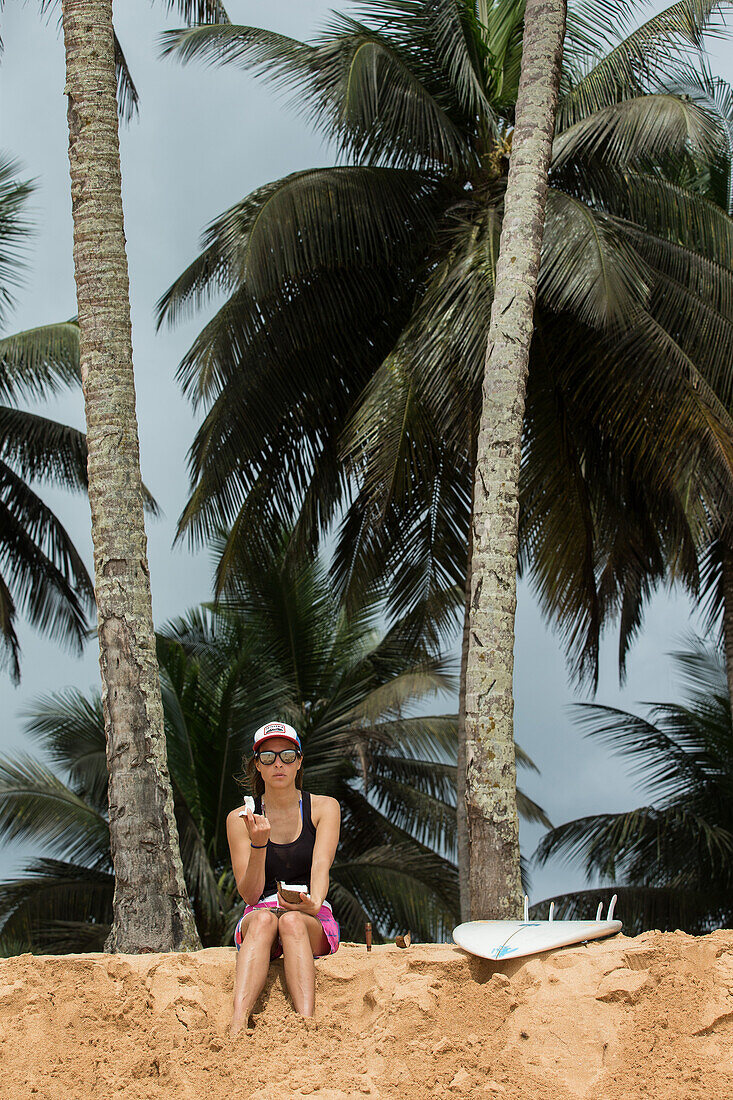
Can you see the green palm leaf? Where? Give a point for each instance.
(39, 361)
(35, 805)
(642, 131)
(14, 230)
(127, 96)
(321, 219)
(39, 448)
(402, 888)
(40, 561)
(58, 907)
(673, 860)
(640, 57)
(69, 726)
(588, 269)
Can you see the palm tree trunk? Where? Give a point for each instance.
(464, 854)
(727, 567)
(493, 829)
(151, 909)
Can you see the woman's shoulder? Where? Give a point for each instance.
(322, 805)
(234, 814)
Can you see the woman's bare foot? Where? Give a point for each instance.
(240, 1021)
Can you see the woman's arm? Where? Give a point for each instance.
(326, 814)
(248, 837)
(328, 827)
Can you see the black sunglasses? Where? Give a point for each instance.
(267, 756)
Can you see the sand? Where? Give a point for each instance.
(650, 1016)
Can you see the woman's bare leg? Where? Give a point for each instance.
(259, 929)
(302, 937)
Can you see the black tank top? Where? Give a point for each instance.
(290, 862)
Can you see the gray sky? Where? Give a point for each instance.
(204, 139)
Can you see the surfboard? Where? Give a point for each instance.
(512, 939)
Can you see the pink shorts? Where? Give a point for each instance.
(324, 915)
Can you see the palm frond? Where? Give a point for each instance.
(9, 641)
(58, 906)
(35, 805)
(588, 269)
(640, 58)
(14, 230)
(666, 209)
(41, 563)
(43, 449)
(402, 888)
(39, 361)
(668, 759)
(672, 860)
(199, 11)
(354, 85)
(530, 810)
(643, 907)
(127, 97)
(293, 228)
(641, 132)
(69, 726)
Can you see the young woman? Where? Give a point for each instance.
(290, 837)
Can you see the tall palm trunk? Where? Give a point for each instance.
(491, 805)
(464, 853)
(151, 909)
(727, 584)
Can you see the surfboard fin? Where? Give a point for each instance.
(611, 907)
(552, 911)
(599, 910)
(526, 907)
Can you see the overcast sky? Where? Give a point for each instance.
(204, 139)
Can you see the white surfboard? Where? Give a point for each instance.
(511, 939)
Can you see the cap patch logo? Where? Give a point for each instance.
(274, 727)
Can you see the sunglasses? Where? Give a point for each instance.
(268, 756)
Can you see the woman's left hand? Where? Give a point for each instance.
(309, 905)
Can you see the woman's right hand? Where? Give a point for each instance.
(258, 828)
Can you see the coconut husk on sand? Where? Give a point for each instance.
(622, 1018)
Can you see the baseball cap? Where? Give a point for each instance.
(275, 729)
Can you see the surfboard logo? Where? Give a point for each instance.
(504, 951)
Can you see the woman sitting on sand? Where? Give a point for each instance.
(290, 837)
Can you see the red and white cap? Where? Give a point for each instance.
(275, 729)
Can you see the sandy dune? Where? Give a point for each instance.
(624, 1018)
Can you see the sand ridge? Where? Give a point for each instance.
(650, 1016)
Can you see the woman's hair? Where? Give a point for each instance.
(252, 779)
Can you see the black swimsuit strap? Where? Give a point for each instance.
(307, 816)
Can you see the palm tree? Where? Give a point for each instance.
(280, 643)
(42, 572)
(489, 787)
(151, 907)
(331, 267)
(377, 277)
(670, 862)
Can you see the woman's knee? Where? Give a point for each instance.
(260, 923)
(292, 926)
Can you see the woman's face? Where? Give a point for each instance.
(278, 774)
